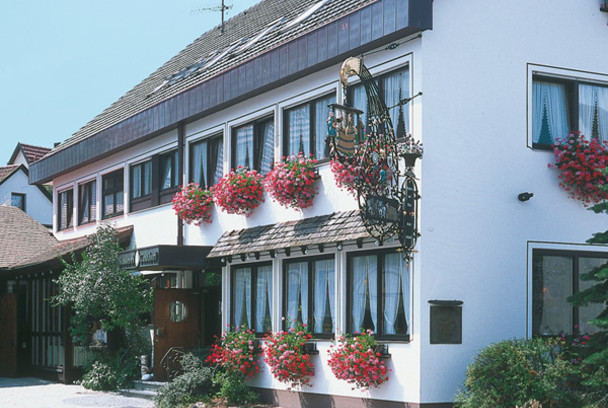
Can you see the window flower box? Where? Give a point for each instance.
(239, 192)
(291, 181)
(193, 204)
(287, 354)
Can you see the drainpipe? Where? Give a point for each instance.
(180, 171)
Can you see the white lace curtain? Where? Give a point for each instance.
(396, 285)
(263, 297)
(297, 292)
(365, 290)
(324, 286)
(242, 297)
(553, 97)
(299, 130)
(244, 147)
(267, 146)
(590, 96)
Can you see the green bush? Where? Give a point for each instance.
(195, 384)
(514, 372)
(101, 377)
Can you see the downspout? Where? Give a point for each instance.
(180, 171)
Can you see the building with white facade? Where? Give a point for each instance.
(485, 262)
(15, 189)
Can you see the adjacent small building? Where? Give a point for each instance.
(15, 190)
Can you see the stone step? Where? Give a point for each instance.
(131, 392)
(148, 385)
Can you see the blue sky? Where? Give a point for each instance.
(62, 62)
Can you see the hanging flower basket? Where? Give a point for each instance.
(286, 354)
(582, 164)
(291, 181)
(345, 174)
(357, 361)
(239, 192)
(193, 204)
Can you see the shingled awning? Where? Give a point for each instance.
(338, 226)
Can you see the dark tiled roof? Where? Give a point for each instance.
(7, 171)
(66, 247)
(33, 153)
(338, 226)
(21, 237)
(25, 242)
(246, 24)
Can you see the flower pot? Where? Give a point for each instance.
(410, 158)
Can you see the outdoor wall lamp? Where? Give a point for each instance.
(321, 248)
(339, 246)
(272, 253)
(243, 257)
(304, 249)
(525, 196)
(359, 243)
(288, 251)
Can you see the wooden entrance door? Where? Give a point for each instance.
(176, 325)
(8, 335)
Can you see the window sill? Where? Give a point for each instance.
(109, 216)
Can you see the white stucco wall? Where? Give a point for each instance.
(37, 205)
(475, 233)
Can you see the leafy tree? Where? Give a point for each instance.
(99, 291)
(594, 367)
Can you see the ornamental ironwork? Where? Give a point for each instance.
(387, 196)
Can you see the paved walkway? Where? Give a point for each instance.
(31, 392)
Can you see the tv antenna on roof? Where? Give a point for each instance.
(221, 8)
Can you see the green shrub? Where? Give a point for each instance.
(513, 372)
(101, 377)
(195, 384)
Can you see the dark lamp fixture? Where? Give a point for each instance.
(243, 257)
(339, 246)
(359, 243)
(288, 251)
(321, 248)
(304, 249)
(525, 196)
(272, 253)
(223, 261)
(257, 255)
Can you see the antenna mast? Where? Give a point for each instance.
(221, 8)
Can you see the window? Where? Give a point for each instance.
(206, 161)
(393, 87)
(555, 277)
(305, 128)
(87, 202)
(141, 179)
(309, 294)
(252, 297)
(169, 179)
(65, 209)
(253, 145)
(18, 200)
(379, 294)
(560, 105)
(112, 192)
(154, 181)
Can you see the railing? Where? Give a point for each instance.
(171, 362)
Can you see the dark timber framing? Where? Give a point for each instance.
(362, 30)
